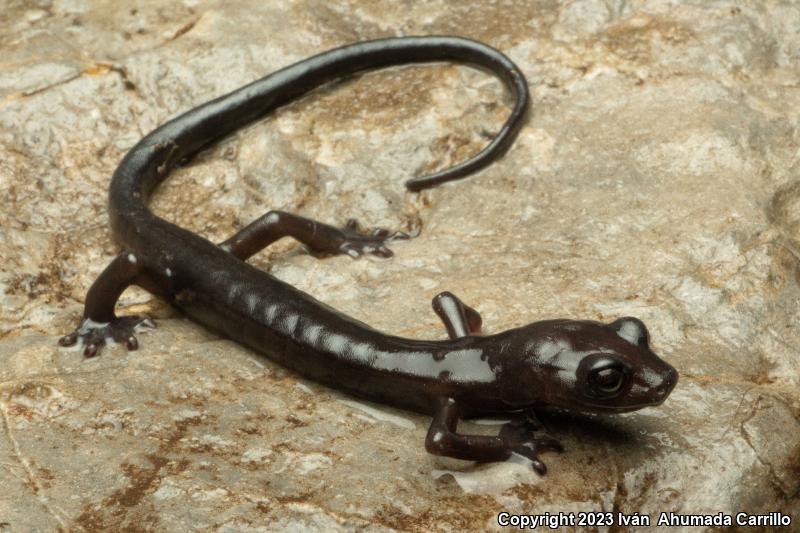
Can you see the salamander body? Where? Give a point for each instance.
(577, 365)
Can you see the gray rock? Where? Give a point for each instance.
(657, 176)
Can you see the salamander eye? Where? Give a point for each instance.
(606, 377)
(632, 330)
(608, 380)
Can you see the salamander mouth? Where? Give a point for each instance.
(623, 408)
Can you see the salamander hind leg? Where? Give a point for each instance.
(95, 335)
(321, 239)
(100, 324)
(357, 242)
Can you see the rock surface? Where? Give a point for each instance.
(657, 176)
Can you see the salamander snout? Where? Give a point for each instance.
(668, 381)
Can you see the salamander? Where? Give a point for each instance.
(578, 365)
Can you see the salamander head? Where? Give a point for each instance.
(593, 367)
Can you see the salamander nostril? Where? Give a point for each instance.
(668, 383)
(673, 378)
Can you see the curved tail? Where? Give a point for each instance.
(150, 161)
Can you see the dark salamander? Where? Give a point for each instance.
(576, 365)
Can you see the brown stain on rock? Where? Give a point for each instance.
(142, 480)
(468, 512)
(632, 39)
(124, 510)
(367, 100)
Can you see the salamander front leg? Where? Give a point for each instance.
(518, 434)
(100, 324)
(442, 438)
(321, 239)
(515, 437)
(459, 319)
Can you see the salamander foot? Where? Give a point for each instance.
(357, 242)
(94, 335)
(518, 436)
